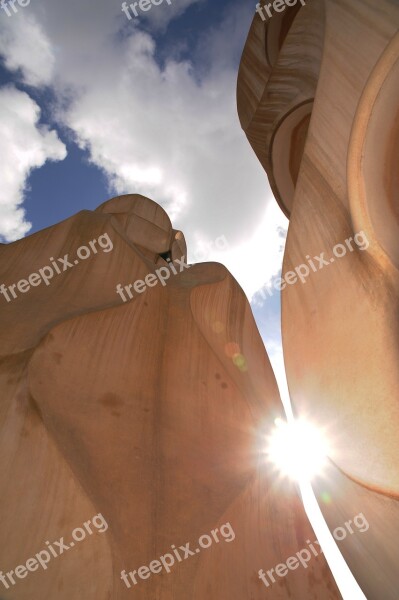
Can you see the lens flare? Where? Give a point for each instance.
(298, 449)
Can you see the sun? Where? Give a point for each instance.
(298, 449)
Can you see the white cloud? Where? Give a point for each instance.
(25, 146)
(25, 46)
(256, 260)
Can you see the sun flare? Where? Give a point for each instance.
(298, 449)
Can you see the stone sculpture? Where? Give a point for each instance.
(318, 101)
(151, 413)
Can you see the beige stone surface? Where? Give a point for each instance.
(334, 173)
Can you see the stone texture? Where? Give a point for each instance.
(321, 113)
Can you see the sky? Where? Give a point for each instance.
(93, 104)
